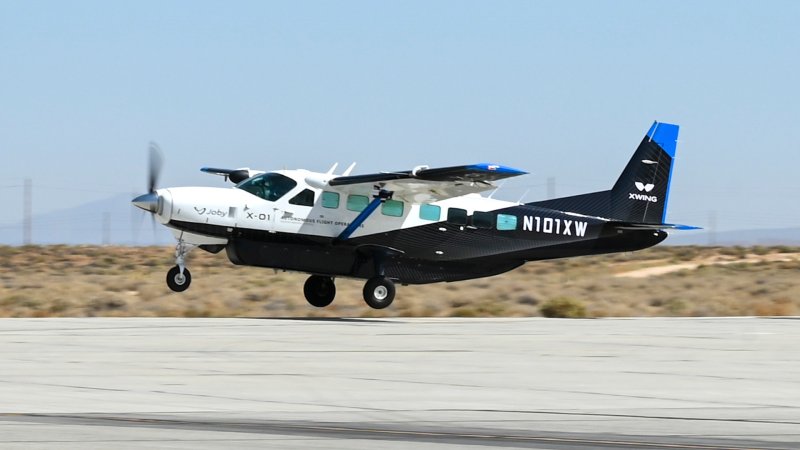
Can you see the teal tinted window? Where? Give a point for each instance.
(506, 222)
(330, 199)
(392, 208)
(357, 203)
(482, 219)
(457, 216)
(430, 212)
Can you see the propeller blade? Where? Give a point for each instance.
(156, 161)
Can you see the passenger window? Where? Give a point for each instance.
(357, 203)
(330, 199)
(506, 222)
(482, 219)
(304, 198)
(457, 216)
(392, 208)
(269, 186)
(430, 212)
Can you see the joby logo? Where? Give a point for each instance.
(644, 187)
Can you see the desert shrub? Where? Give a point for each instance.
(563, 307)
(527, 299)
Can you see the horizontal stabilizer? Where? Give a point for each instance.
(651, 226)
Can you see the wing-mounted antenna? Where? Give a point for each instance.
(491, 194)
(349, 169)
(525, 194)
(333, 167)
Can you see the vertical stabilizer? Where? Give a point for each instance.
(641, 192)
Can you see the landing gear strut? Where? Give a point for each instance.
(319, 290)
(379, 292)
(179, 278)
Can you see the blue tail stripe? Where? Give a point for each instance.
(665, 135)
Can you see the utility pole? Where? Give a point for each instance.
(551, 188)
(27, 212)
(106, 228)
(712, 228)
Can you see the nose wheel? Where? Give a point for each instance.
(179, 281)
(379, 292)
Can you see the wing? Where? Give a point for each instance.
(235, 175)
(424, 184)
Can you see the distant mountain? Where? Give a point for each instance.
(775, 236)
(86, 224)
(127, 225)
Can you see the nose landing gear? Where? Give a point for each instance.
(179, 278)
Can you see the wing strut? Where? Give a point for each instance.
(378, 198)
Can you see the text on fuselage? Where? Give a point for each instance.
(550, 225)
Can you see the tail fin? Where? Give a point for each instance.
(641, 193)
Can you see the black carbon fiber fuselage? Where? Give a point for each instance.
(435, 252)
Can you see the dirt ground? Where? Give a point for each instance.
(664, 281)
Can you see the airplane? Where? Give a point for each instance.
(423, 225)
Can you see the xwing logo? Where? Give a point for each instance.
(642, 187)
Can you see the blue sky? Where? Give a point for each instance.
(560, 89)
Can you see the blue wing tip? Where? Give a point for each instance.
(665, 135)
(497, 168)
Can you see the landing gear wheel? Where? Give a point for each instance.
(319, 290)
(179, 282)
(379, 292)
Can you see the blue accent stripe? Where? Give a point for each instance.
(359, 220)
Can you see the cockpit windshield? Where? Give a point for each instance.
(269, 186)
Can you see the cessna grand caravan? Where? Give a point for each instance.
(424, 225)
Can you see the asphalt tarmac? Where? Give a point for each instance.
(101, 383)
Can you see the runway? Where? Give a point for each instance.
(100, 383)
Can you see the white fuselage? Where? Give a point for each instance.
(234, 208)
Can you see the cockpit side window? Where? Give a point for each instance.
(304, 198)
(269, 186)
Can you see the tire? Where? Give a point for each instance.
(319, 291)
(379, 292)
(176, 282)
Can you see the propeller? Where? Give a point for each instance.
(149, 201)
(155, 162)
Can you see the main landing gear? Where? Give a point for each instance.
(379, 292)
(320, 291)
